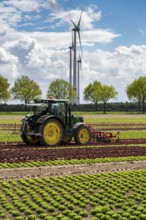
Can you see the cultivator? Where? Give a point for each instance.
(103, 136)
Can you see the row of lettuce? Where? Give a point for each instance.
(104, 196)
(71, 162)
(9, 136)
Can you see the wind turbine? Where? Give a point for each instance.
(70, 61)
(79, 61)
(70, 65)
(76, 30)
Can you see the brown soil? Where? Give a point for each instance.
(21, 153)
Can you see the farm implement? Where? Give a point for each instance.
(51, 123)
(103, 136)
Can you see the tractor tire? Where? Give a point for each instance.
(82, 135)
(52, 132)
(66, 139)
(29, 139)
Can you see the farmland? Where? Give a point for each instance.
(77, 186)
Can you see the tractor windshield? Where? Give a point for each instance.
(57, 108)
(37, 107)
(51, 107)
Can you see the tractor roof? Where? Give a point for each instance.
(50, 100)
(37, 104)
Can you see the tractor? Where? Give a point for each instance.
(51, 123)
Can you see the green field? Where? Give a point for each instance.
(105, 121)
(102, 196)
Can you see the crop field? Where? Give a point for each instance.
(96, 195)
(131, 127)
(117, 195)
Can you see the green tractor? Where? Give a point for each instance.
(52, 123)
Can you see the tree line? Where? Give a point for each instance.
(96, 93)
(110, 107)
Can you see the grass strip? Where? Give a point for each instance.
(10, 121)
(115, 120)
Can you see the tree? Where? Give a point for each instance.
(25, 89)
(4, 89)
(92, 93)
(107, 93)
(60, 89)
(136, 91)
(133, 94)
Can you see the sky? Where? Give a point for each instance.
(35, 36)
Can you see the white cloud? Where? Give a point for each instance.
(98, 36)
(118, 68)
(9, 16)
(37, 56)
(53, 5)
(24, 5)
(44, 56)
(8, 64)
(27, 56)
(2, 33)
(13, 11)
(6, 57)
(20, 48)
(89, 17)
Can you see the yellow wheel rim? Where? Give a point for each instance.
(52, 133)
(84, 136)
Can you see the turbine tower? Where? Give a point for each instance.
(79, 61)
(76, 30)
(70, 64)
(70, 69)
(70, 61)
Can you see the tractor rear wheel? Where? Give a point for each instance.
(52, 132)
(29, 139)
(82, 135)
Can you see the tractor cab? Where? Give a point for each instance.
(52, 123)
(42, 107)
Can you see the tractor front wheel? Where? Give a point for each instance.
(52, 132)
(82, 135)
(29, 139)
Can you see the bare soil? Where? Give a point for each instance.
(63, 170)
(21, 153)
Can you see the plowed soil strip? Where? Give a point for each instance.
(27, 154)
(47, 171)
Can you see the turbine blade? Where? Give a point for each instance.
(79, 20)
(74, 23)
(80, 42)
